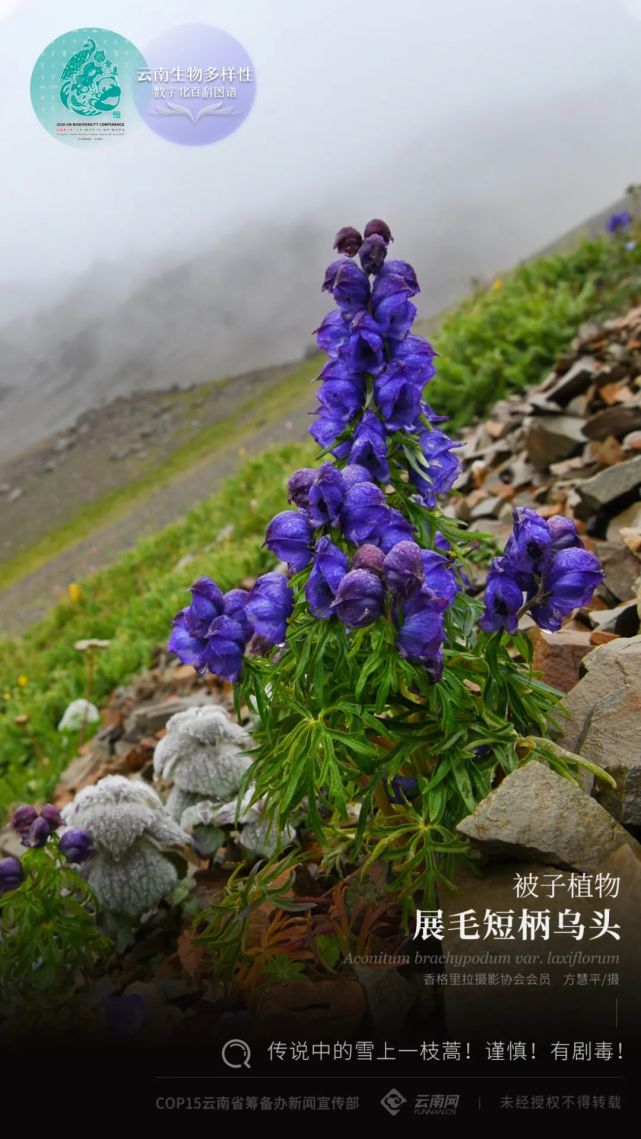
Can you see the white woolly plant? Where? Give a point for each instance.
(129, 827)
(203, 755)
(258, 834)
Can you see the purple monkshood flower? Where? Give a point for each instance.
(326, 495)
(76, 846)
(326, 428)
(270, 603)
(11, 874)
(618, 220)
(298, 486)
(354, 473)
(359, 599)
(23, 817)
(289, 537)
(393, 528)
(38, 833)
(333, 332)
(441, 469)
(379, 227)
(402, 787)
(528, 546)
(421, 635)
(363, 350)
(207, 603)
(403, 569)
(398, 399)
(439, 586)
(341, 397)
(348, 285)
(330, 567)
(348, 241)
(405, 272)
(370, 558)
(568, 583)
(225, 648)
(416, 356)
(563, 533)
(372, 253)
(393, 312)
(369, 447)
(364, 508)
(503, 598)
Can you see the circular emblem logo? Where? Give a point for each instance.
(82, 86)
(196, 86)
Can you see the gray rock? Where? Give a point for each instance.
(618, 420)
(148, 719)
(573, 382)
(621, 567)
(537, 814)
(630, 517)
(606, 706)
(550, 438)
(623, 620)
(611, 484)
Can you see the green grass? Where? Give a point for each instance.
(131, 604)
(273, 404)
(499, 341)
(504, 339)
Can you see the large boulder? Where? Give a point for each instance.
(606, 722)
(535, 813)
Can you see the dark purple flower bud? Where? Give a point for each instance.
(398, 399)
(326, 428)
(364, 508)
(76, 846)
(270, 604)
(330, 566)
(440, 466)
(326, 495)
(289, 537)
(503, 599)
(52, 815)
(405, 272)
(568, 583)
(348, 285)
(225, 648)
(370, 558)
(188, 649)
(11, 874)
(23, 817)
(618, 221)
(333, 333)
(421, 635)
(359, 599)
(369, 447)
(348, 241)
(401, 788)
(372, 253)
(528, 548)
(364, 349)
(376, 226)
(37, 834)
(298, 486)
(354, 473)
(403, 569)
(439, 583)
(563, 533)
(207, 603)
(393, 528)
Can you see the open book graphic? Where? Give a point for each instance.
(179, 109)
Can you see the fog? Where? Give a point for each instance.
(480, 132)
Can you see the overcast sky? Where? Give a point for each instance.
(342, 87)
(479, 129)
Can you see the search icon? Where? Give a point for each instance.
(245, 1052)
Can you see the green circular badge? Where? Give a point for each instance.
(82, 86)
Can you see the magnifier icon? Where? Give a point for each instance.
(236, 1054)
